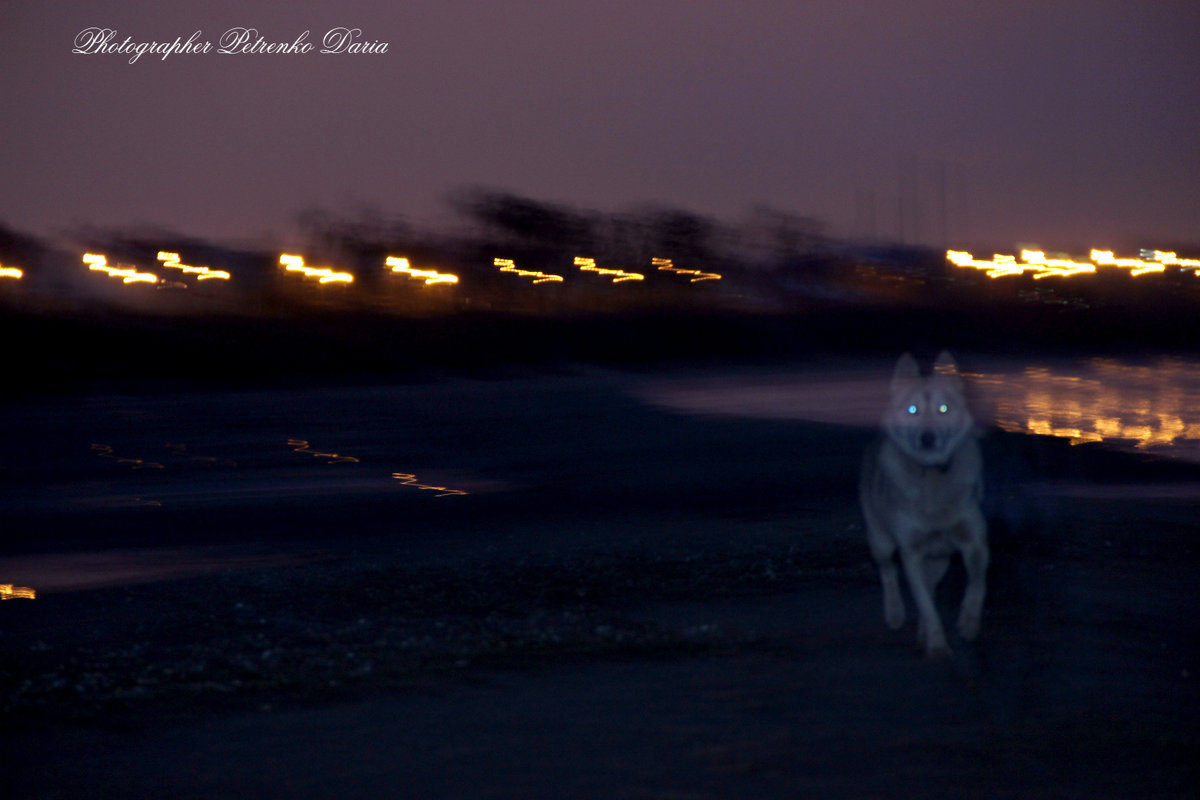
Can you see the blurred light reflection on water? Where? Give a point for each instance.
(61, 572)
(1151, 406)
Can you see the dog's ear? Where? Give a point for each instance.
(945, 364)
(906, 371)
(946, 369)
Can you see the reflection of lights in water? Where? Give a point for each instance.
(618, 275)
(301, 446)
(408, 479)
(106, 451)
(187, 480)
(1151, 406)
(83, 570)
(401, 266)
(99, 263)
(323, 275)
(202, 273)
(669, 266)
(181, 449)
(10, 592)
(1036, 262)
(11, 272)
(508, 265)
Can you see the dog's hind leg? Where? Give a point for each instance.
(975, 558)
(893, 603)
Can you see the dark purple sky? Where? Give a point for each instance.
(1067, 123)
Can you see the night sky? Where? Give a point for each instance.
(1066, 124)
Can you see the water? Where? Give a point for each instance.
(1151, 406)
(186, 482)
(461, 437)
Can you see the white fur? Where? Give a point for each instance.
(920, 489)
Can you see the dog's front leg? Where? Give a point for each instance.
(883, 550)
(975, 559)
(929, 626)
(935, 570)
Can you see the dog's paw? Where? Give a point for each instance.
(968, 625)
(932, 640)
(894, 616)
(937, 650)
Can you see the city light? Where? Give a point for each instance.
(11, 272)
(99, 263)
(293, 263)
(997, 267)
(618, 275)
(1037, 263)
(669, 266)
(202, 273)
(1170, 259)
(401, 265)
(1052, 267)
(1136, 266)
(10, 592)
(507, 265)
(1004, 265)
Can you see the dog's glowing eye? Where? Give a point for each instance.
(943, 408)
(912, 409)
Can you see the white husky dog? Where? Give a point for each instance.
(920, 489)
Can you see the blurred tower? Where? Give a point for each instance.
(942, 221)
(865, 214)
